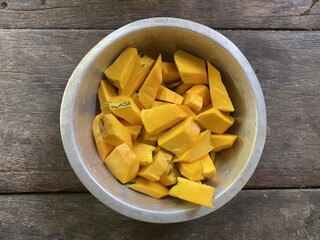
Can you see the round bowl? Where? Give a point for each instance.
(153, 36)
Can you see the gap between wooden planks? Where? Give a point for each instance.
(252, 214)
(36, 65)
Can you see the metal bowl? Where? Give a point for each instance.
(153, 36)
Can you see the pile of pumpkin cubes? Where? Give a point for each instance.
(161, 124)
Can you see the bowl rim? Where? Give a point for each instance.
(74, 156)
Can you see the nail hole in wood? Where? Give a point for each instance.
(3, 5)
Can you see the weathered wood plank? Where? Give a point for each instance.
(253, 214)
(97, 14)
(35, 67)
(287, 65)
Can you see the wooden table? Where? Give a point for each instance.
(41, 42)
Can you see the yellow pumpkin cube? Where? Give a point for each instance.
(188, 111)
(135, 98)
(193, 192)
(167, 95)
(158, 104)
(113, 131)
(170, 72)
(149, 88)
(222, 141)
(191, 170)
(123, 163)
(144, 153)
(150, 188)
(119, 72)
(170, 176)
(105, 92)
(149, 139)
(135, 130)
(221, 102)
(158, 119)
(205, 108)
(192, 69)
(125, 107)
(219, 95)
(200, 148)
(214, 120)
(182, 88)
(138, 75)
(103, 147)
(208, 168)
(201, 90)
(153, 172)
(180, 137)
(194, 101)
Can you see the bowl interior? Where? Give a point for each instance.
(165, 40)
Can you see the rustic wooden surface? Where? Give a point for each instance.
(286, 64)
(41, 42)
(273, 214)
(110, 14)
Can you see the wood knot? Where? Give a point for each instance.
(3, 5)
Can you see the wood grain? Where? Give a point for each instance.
(253, 214)
(286, 64)
(109, 14)
(36, 65)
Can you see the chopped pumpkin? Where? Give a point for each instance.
(149, 139)
(192, 69)
(135, 98)
(191, 170)
(138, 75)
(219, 95)
(200, 148)
(182, 88)
(103, 147)
(135, 130)
(125, 107)
(123, 163)
(170, 72)
(222, 141)
(160, 163)
(194, 101)
(167, 95)
(150, 188)
(119, 72)
(105, 92)
(201, 90)
(208, 168)
(164, 124)
(144, 153)
(180, 137)
(149, 88)
(170, 176)
(158, 119)
(193, 192)
(214, 120)
(188, 111)
(113, 131)
(158, 104)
